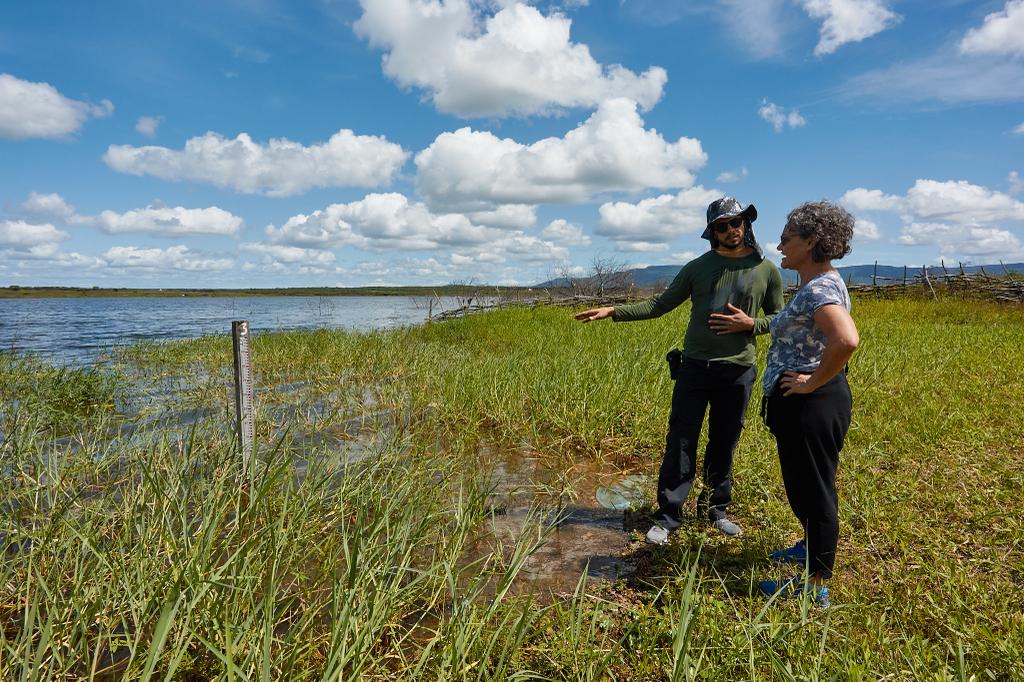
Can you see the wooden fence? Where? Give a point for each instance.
(1004, 287)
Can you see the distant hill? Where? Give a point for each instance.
(653, 275)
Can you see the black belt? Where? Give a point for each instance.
(707, 364)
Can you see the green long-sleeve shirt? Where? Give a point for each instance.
(712, 281)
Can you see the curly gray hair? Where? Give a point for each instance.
(829, 223)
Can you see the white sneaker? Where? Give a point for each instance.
(728, 527)
(657, 535)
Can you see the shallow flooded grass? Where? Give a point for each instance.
(59, 398)
(379, 537)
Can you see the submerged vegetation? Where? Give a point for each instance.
(57, 398)
(369, 542)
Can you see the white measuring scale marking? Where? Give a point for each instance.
(243, 390)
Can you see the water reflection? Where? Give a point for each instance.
(78, 331)
(588, 535)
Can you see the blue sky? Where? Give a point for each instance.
(265, 143)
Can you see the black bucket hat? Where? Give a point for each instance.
(727, 207)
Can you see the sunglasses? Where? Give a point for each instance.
(722, 228)
(783, 238)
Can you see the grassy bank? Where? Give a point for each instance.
(374, 561)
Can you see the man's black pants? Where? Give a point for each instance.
(725, 387)
(809, 430)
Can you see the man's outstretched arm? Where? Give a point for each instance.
(595, 314)
(656, 306)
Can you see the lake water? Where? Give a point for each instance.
(76, 331)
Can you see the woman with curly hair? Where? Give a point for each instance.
(807, 400)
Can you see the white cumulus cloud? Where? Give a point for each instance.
(498, 266)
(779, 117)
(178, 257)
(684, 257)
(157, 220)
(462, 246)
(861, 199)
(1015, 182)
(732, 176)
(960, 202)
(520, 248)
(53, 207)
(402, 271)
(385, 221)
(965, 243)
(961, 219)
(561, 231)
(170, 222)
(280, 253)
(953, 201)
(516, 61)
(147, 125)
(48, 256)
(505, 217)
(641, 247)
(280, 167)
(611, 150)
(38, 110)
(848, 21)
(866, 229)
(21, 235)
(1019, 130)
(1002, 33)
(657, 220)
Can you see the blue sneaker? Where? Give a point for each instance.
(797, 554)
(795, 587)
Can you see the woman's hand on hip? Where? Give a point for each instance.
(794, 382)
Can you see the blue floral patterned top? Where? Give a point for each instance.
(797, 344)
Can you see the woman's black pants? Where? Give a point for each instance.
(809, 430)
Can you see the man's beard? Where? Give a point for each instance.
(739, 244)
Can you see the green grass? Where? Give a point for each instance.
(148, 558)
(56, 397)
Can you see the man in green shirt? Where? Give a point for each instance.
(728, 285)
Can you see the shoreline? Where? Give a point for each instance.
(448, 290)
